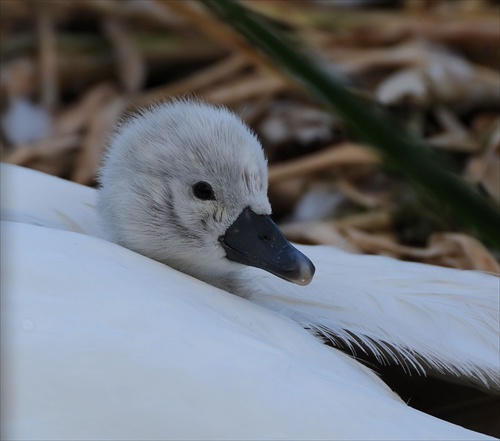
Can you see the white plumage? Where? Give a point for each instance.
(103, 343)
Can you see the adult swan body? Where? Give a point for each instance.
(101, 342)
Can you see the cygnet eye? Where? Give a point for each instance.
(203, 191)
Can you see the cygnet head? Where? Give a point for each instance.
(185, 183)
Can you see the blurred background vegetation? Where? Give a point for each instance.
(71, 69)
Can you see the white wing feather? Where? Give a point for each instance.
(177, 357)
(36, 198)
(412, 313)
(102, 343)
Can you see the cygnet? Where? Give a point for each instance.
(185, 183)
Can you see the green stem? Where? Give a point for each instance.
(413, 157)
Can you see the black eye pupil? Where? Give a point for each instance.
(203, 191)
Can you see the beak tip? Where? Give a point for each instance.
(305, 272)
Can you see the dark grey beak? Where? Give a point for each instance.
(255, 240)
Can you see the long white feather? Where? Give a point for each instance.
(409, 313)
